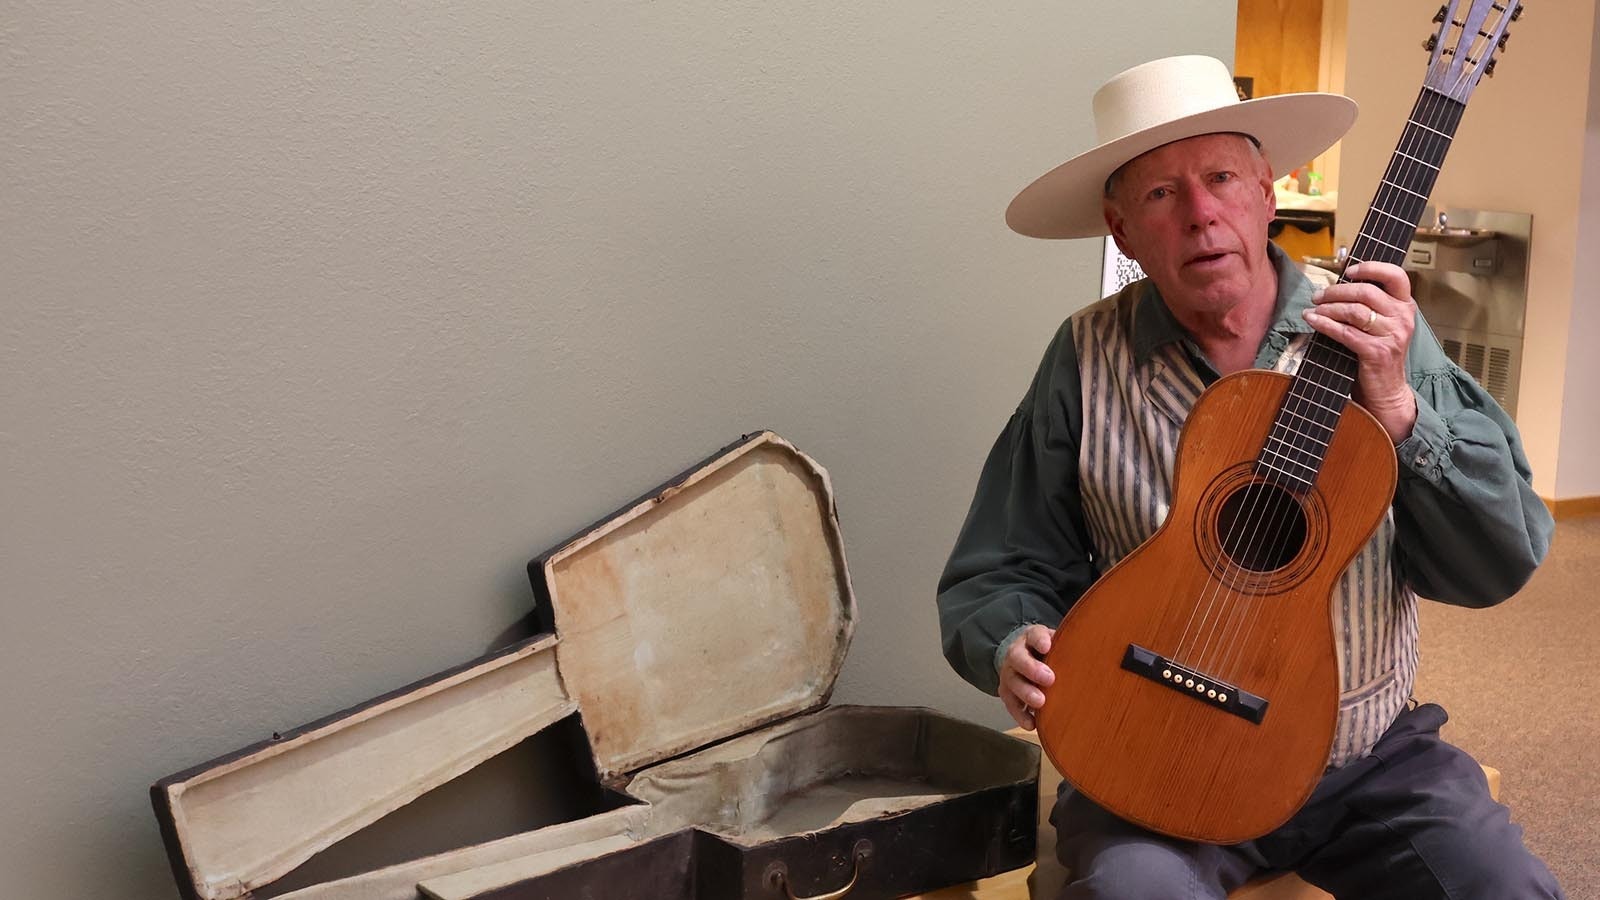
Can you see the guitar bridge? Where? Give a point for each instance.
(1194, 684)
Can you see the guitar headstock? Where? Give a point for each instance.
(1465, 47)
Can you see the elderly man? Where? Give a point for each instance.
(1182, 180)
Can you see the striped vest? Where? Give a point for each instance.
(1132, 416)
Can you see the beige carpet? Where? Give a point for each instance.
(1522, 684)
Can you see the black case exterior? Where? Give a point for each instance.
(955, 841)
(661, 869)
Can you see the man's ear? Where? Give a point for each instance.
(1115, 222)
(1266, 185)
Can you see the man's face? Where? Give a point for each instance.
(1194, 214)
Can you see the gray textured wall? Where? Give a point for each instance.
(319, 320)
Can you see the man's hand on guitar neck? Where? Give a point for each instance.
(1023, 675)
(1374, 319)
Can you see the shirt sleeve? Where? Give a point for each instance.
(1469, 526)
(1022, 556)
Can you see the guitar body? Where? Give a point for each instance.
(1206, 602)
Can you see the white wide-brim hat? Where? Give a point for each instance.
(1164, 101)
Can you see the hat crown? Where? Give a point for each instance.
(1161, 91)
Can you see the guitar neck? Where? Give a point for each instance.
(1392, 219)
(1300, 435)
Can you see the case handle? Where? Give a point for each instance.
(778, 875)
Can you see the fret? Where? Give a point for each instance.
(1339, 351)
(1278, 436)
(1306, 418)
(1317, 372)
(1383, 212)
(1301, 434)
(1309, 462)
(1312, 411)
(1329, 394)
(1322, 419)
(1290, 455)
(1423, 197)
(1400, 250)
(1338, 394)
(1426, 128)
(1404, 208)
(1304, 481)
(1415, 160)
(1387, 232)
(1390, 251)
(1291, 467)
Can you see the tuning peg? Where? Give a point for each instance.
(1489, 69)
(1516, 13)
(1439, 16)
(1501, 44)
(1430, 43)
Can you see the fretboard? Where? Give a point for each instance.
(1299, 439)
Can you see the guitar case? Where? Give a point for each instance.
(690, 642)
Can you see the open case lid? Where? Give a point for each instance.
(713, 605)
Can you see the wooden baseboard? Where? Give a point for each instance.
(1573, 507)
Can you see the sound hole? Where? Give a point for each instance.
(1261, 527)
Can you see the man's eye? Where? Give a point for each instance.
(1159, 193)
(1223, 176)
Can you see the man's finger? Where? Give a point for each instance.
(1026, 691)
(1029, 666)
(1392, 280)
(1019, 713)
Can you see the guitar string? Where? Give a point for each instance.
(1251, 612)
(1263, 520)
(1416, 163)
(1257, 519)
(1446, 116)
(1414, 147)
(1375, 233)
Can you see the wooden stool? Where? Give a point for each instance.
(1045, 878)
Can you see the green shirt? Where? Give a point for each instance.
(1469, 528)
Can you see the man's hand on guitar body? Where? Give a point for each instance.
(1023, 674)
(1374, 318)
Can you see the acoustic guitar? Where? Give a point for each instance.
(1197, 682)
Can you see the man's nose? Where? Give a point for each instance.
(1200, 207)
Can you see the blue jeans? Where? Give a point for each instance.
(1411, 821)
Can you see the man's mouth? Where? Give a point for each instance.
(1204, 259)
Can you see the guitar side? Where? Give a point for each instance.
(1127, 731)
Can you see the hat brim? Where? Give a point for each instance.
(1065, 202)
